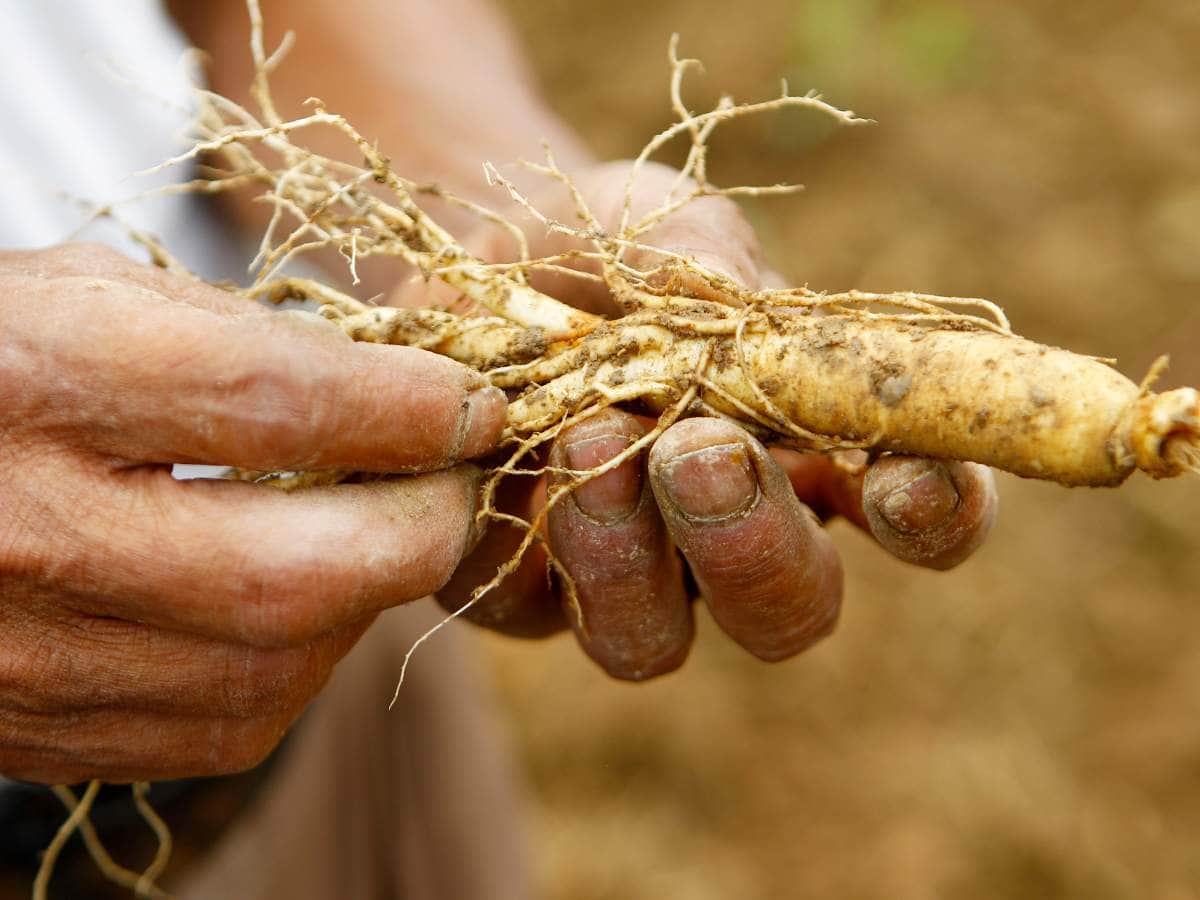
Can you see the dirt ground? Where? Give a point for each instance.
(1029, 725)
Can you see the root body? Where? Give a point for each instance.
(818, 382)
(990, 398)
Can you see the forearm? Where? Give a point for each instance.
(439, 84)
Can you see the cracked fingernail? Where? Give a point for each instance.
(712, 482)
(615, 495)
(481, 422)
(925, 502)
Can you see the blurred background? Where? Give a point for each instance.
(1029, 725)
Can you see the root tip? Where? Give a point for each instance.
(1182, 451)
(1166, 433)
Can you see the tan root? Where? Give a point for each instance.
(142, 884)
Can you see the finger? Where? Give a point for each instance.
(250, 564)
(633, 617)
(62, 662)
(711, 231)
(931, 513)
(830, 484)
(523, 604)
(769, 573)
(152, 381)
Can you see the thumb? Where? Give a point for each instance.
(710, 232)
(175, 383)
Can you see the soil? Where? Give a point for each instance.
(1028, 725)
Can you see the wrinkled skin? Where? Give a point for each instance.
(157, 629)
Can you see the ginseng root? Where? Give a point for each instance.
(908, 382)
(905, 373)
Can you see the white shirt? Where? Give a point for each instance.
(92, 91)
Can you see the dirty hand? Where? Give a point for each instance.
(156, 628)
(746, 519)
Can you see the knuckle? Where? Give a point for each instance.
(388, 549)
(22, 551)
(777, 598)
(81, 258)
(58, 749)
(39, 498)
(750, 572)
(286, 406)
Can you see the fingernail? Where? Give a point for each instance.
(711, 483)
(924, 502)
(610, 497)
(482, 421)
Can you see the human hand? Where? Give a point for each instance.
(156, 628)
(746, 519)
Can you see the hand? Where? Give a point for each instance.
(156, 628)
(746, 519)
